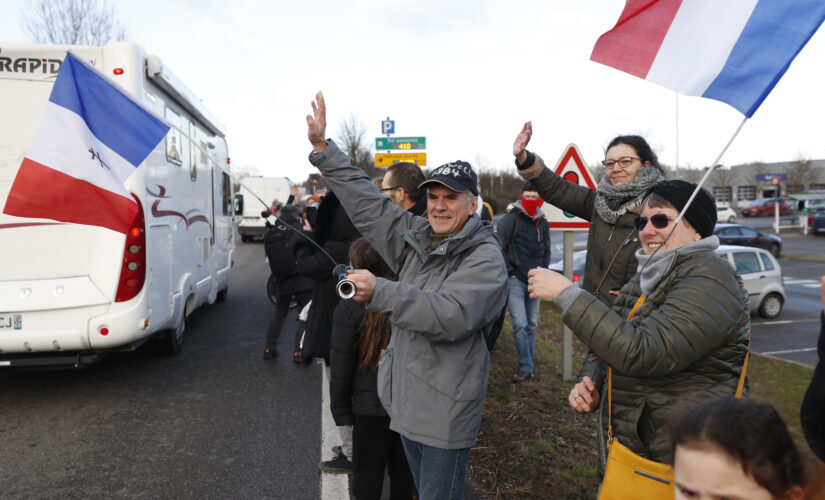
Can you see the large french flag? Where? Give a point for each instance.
(734, 51)
(91, 138)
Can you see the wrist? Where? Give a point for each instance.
(319, 146)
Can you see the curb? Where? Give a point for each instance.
(808, 258)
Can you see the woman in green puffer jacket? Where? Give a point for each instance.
(688, 339)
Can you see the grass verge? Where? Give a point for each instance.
(532, 445)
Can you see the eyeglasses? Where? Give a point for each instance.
(659, 221)
(390, 189)
(624, 162)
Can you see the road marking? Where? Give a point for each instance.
(786, 322)
(333, 486)
(801, 281)
(789, 351)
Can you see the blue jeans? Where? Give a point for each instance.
(524, 314)
(438, 473)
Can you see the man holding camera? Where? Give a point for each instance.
(451, 288)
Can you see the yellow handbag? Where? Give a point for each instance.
(629, 476)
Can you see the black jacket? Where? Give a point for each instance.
(529, 247)
(276, 246)
(350, 393)
(335, 233)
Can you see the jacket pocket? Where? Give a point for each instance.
(385, 378)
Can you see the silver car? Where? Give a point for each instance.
(762, 276)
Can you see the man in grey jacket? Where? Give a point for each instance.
(452, 286)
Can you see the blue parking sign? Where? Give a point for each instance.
(388, 126)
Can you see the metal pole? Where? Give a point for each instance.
(567, 334)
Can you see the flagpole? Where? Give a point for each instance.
(713, 166)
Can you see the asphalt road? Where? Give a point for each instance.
(216, 421)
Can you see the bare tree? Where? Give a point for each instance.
(352, 139)
(801, 174)
(723, 178)
(74, 22)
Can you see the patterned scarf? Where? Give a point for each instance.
(614, 201)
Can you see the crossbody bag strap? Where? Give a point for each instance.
(741, 385)
(612, 261)
(610, 375)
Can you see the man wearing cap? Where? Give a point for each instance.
(452, 286)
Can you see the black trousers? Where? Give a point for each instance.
(376, 448)
(281, 310)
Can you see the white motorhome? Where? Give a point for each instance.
(253, 222)
(69, 293)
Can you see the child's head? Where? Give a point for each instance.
(735, 448)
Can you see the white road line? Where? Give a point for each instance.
(786, 322)
(812, 285)
(800, 281)
(333, 486)
(789, 351)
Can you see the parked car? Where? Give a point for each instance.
(759, 270)
(761, 275)
(737, 234)
(818, 226)
(765, 206)
(725, 213)
(579, 259)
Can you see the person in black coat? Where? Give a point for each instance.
(334, 232)
(358, 336)
(288, 281)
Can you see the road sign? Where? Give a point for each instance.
(400, 143)
(388, 159)
(775, 181)
(571, 167)
(388, 126)
(771, 177)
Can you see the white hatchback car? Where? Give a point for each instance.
(761, 275)
(725, 214)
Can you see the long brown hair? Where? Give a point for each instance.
(375, 327)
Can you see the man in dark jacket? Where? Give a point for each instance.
(288, 281)
(401, 183)
(525, 242)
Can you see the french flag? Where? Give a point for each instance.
(734, 51)
(91, 138)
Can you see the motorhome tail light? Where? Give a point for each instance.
(228, 161)
(104, 331)
(118, 71)
(133, 266)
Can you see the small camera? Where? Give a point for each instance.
(345, 288)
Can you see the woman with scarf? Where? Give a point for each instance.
(631, 167)
(677, 333)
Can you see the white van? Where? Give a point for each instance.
(252, 223)
(69, 293)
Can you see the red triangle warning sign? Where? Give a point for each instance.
(571, 168)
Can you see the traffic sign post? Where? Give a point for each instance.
(389, 159)
(571, 168)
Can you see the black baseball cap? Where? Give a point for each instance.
(458, 176)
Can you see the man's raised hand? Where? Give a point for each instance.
(520, 144)
(317, 123)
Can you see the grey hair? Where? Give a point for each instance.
(470, 195)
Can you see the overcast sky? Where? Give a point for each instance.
(464, 74)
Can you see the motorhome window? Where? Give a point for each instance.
(193, 162)
(226, 191)
(173, 138)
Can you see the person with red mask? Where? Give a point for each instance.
(525, 242)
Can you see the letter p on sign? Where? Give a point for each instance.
(388, 126)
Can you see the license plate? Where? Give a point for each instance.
(11, 321)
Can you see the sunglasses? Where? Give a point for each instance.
(659, 221)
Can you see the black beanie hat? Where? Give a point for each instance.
(702, 211)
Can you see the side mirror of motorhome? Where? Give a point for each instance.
(239, 204)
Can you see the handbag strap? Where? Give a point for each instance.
(739, 386)
(610, 376)
(612, 261)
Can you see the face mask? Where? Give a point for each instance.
(530, 206)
